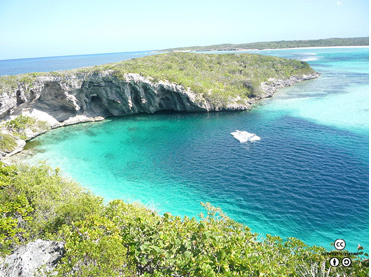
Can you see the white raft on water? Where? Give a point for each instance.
(244, 136)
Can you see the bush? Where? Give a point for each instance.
(7, 143)
(41, 194)
(14, 211)
(93, 248)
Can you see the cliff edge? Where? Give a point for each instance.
(183, 82)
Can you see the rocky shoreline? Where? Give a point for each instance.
(64, 100)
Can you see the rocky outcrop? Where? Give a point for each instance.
(99, 95)
(84, 97)
(271, 86)
(37, 258)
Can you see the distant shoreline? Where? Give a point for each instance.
(276, 45)
(314, 47)
(269, 49)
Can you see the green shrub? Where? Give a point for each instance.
(7, 143)
(20, 123)
(122, 239)
(43, 195)
(56, 200)
(93, 248)
(14, 211)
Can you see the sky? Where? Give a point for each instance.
(44, 28)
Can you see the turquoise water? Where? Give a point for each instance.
(306, 178)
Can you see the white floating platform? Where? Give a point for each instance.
(243, 136)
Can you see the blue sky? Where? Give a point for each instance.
(42, 28)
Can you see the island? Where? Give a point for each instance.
(185, 82)
(282, 44)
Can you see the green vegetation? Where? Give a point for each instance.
(12, 82)
(16, 129)
(216, 77)
(361, 41)
(20, 123)
(121, 239)
(7, 142)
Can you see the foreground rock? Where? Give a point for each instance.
(37, 258)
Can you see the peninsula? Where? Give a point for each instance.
(184, 82)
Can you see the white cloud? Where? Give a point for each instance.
(339, 3)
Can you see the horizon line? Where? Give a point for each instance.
(154, 50)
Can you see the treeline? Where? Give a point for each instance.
(121, 239)
(359, 41)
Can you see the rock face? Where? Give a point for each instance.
(76, 98)
(27, 259)
(99, 95)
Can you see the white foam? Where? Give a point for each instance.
(308, 59)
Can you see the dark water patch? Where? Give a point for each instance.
(90, 133)
(32, 144)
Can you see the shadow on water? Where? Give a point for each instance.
(32, 144)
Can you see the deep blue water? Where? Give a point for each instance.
(46, 64)
(308, 177)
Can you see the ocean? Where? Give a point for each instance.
(308, 176)
(46, 64)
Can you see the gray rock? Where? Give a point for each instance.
(271, 86)
(103, 94)
(26, 260)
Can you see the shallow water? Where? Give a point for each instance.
(306, 178)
